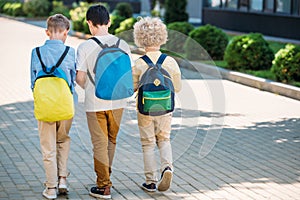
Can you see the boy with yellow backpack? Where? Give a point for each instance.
(52, 82)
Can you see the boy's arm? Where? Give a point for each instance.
(175, 73)
(81, 64)
(73, 70)
(81, 78)
(136, 75)
(32, 69)
(177, 82)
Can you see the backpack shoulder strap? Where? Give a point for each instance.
(148, 61)
(40, 58)
(90, 77)
(62, 57)
(99, 43)
(118, 42)
(161, 59)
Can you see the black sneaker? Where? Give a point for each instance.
(149, 187)
(166, 180)
(103, 193)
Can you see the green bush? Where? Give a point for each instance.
(182, 27)
(7, 8)
(126, 25)
(125, 30)
(13, 9)
(286, 65)
(59, 7)
(155, 13)
(177, 35)
(249, 51)
(17, 9)
(211, 38)
(115, 23)
(2, 4)
(124, 10)
(176, 11)
(78, 17)
(36, 8)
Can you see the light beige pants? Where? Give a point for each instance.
(55, 147)
(155, 130)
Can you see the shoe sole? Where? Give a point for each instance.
(100, 196)
(49, 196)
(165, 182)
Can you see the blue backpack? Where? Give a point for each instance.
(113, 74)
(156, 90)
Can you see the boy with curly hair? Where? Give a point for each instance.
(150, 34)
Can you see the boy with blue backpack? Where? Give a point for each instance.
(104, 72)
(52, 82)
(156, 77)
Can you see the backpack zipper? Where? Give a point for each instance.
(149, 98)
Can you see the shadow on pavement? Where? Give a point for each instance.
(265, 152)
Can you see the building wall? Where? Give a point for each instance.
(280, 19)
(194, 9)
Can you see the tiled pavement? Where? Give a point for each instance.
(229, 141)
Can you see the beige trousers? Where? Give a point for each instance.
(55, 147)
(104, 127)
(155, 130)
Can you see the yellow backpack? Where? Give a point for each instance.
(53, 99)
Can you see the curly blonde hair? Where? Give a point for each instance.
(150, 32)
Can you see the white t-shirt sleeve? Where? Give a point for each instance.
(81, 61)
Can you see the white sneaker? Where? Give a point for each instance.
(50, 193)
(166, 180)
(62, 186)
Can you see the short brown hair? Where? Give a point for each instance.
(58, 23)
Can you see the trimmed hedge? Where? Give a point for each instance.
(78, 18)
(286, 65)
(124, 9)
(249, 52)
(59, 7)
(115, 23)
(125, 31)
(36, 8)
(175, 11)
(14, 9)
(177, 35)
(211, 39)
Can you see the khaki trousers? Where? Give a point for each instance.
(104, 127)
(155, 130)
(55, 147)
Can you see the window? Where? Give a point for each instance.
(269, 6)
(296, 7)
(215, 3)
(244, 5)
(284, 6)
(232, 4)
(256, 5)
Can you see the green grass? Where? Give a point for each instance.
(267, 74)
(276, 46)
